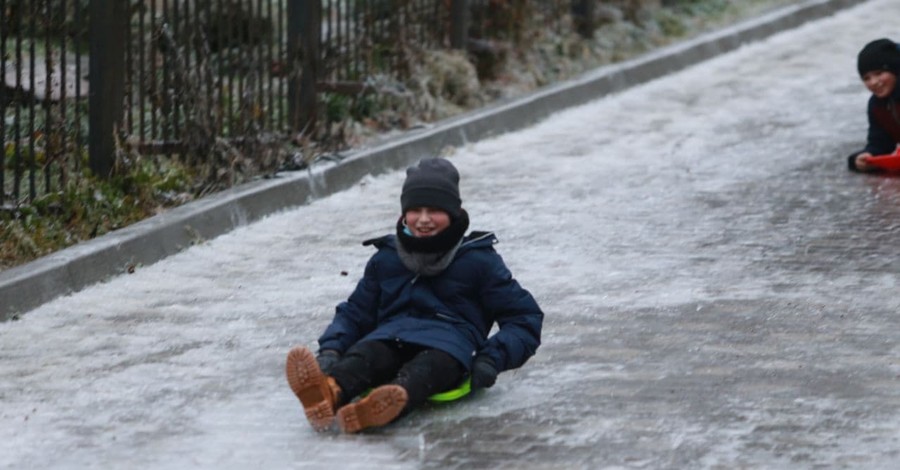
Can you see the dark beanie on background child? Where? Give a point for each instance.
(433, 182)
(880, 54)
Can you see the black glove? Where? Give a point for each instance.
(851, 162)
(327, 358)
(484, 372)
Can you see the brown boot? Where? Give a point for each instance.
(378, 408)
(317, 392)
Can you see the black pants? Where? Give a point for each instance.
(421, 371)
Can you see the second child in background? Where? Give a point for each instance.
(878, 65)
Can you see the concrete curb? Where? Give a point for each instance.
(28, 286)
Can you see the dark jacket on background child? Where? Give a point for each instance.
(884, 124)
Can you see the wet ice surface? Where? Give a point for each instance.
(720, 293)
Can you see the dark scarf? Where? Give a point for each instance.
(429, 256)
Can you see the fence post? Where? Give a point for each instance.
(304, 28)
(583, 17)
(107, 81)
(459, 23)
(294, 67)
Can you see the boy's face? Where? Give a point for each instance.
(426, 221)
(880, 82)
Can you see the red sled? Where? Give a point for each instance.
(889, 162)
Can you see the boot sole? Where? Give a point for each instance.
(378, 408)
(310, 386)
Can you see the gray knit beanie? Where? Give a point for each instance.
(433, 182)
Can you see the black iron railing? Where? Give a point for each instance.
(83, 79)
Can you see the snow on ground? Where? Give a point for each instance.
(652, 200)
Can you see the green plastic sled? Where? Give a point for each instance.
(453, 394)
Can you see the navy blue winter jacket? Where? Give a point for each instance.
(884, 123)
(452, 312)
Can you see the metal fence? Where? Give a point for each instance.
(42, 97)
(362, 38)
(197, 71)
(216, 67)
(83, 79)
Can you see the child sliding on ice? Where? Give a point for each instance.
(417, 323)
(879, 65)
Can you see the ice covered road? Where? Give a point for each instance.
(720, 293)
